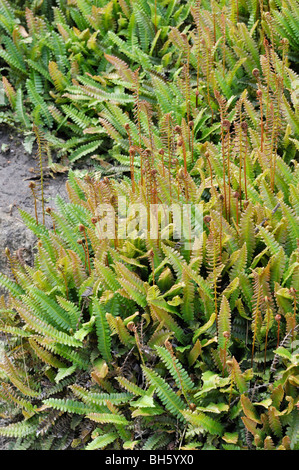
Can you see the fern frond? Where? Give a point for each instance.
(207, 424)
(168, 397)
(178, 373)
(100, 442)
(20, 429)
(69, 406)
(102, 329)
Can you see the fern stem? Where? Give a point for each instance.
(32, 186)
(278, 318)
(132, 327)
(220, 233)
(237, 197)
(293, 292)
(191, 125)
(161, 152)
(187, 82)
(223, 27)
(48, 210)
(245, 171)
(226, 156)
(82, 229)
(267, 331)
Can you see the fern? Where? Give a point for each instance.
(102, 329)
(168, 397)
(203, 421)
(175, 368)
(100, 442)
(21, 429)
(166, 341)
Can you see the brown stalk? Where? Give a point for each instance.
(132, 155)
(48, 210)
(237, 197)
(161, 152)
(294, 294)
(244, 126)
(223, 28)
(220, 233)
(278, 318)
(187, 80)
(267, 329)
(226, 126)
(181, 143)
(32, 186)
(191, 126)
(132, 327)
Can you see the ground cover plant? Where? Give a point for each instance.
(154, 339)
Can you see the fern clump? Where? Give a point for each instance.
(59, 66)
(141, 338)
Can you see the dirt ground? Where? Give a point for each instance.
(16, 167)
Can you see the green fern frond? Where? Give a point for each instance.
(204, 422)
(20, 429)
(102, 329)
(224, 321)
(106, 418)
(168, 397)
(69, 406)
(100, 442)
(100, 399)
(10, 286)
(177, 371)
(45, 329)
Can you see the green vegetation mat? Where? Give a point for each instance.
(183, 333)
